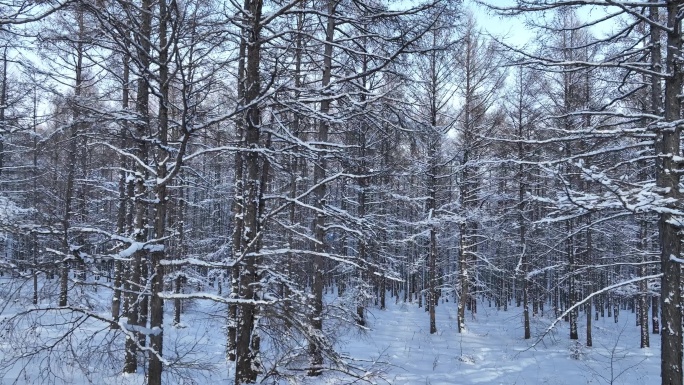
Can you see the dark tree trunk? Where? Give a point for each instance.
(667, 178)
(247, 342)
(154, 375)
(315, 353)
(123, 199)
(137, 307)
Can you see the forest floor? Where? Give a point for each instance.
(491, 351)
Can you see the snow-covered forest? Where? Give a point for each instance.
(341, 191)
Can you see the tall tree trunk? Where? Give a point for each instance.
(667, 179)
(319, 193)
(655, 314)
(522, 225)
(123, 199)
(463, 277)
(238, 200)
(363, 184)
(433, 147)
(642, 317)
(71, 166)
(246, 352)
(588, 259)
(34, 172)
(572, 290)
(3, 106)
(295, 171)
(431, 206)
(154, 375)
(363, 257)
(182, 251)
(465, 201)
(137, 308)
(656, 93)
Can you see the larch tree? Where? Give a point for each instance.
(480, 65)
(434, 117)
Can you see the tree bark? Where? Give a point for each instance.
(667, 179)
(154, 375)
(319, 193)
(246, 352)
(123, 198)
(137, 309)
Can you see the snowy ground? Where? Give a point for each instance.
(492, 351)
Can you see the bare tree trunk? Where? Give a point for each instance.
(463, 279)
(432, 208)
(295, 171)
(363, 184)
(588, 259)
(319, 192)
(667, 179)
(572, 290)
(643, 309)
(123, 200)
(246, 352)
(655, 314)
(34, 237)
(132, 308)
(237, 205)
(642, 317)
(71, 168)
(363, 257)
(3, 106)
(522, 225)
(154, 374)
(137, 308)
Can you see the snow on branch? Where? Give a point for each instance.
(217, 298)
